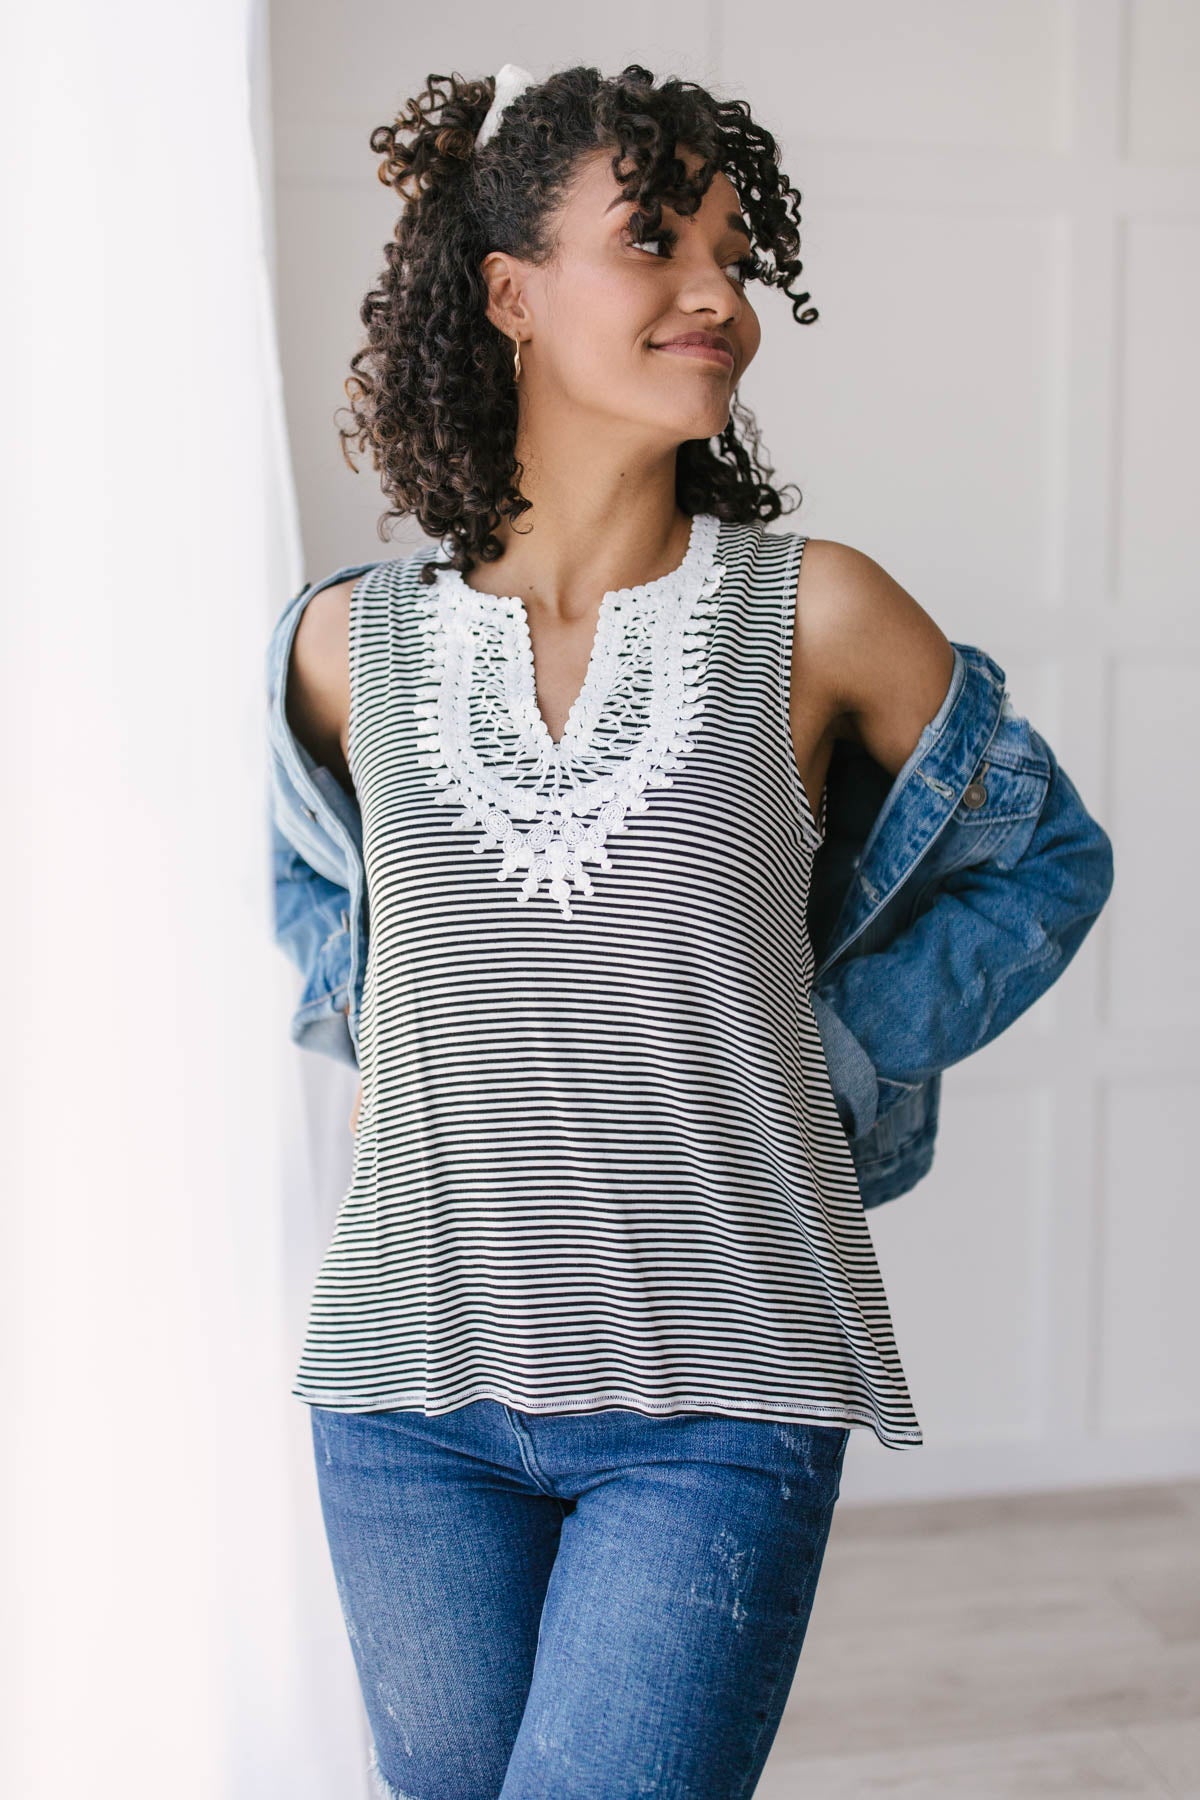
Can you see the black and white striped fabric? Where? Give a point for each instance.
(598, 1162)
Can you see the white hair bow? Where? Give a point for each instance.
(510, 82)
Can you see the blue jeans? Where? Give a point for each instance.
(582, 1606)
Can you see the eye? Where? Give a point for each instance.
(665, 236)
(745, 267)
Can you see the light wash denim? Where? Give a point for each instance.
(944, 902)
(574, 1606)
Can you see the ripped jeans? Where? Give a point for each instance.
(585, 1606)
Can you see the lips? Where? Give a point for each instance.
(707, 346)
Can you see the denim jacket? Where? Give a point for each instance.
(944, 900)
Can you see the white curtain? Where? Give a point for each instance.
(169, 1612)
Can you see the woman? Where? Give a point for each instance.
(601, 1306)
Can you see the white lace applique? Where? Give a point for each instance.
(550, 806)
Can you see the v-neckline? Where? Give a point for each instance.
(513, 609)
(549, 806)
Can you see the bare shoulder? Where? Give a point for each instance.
(868, 662)
(318, 681)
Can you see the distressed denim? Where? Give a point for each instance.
(585, 1606)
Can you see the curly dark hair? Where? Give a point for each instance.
(431, 392)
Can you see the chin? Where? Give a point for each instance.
(709, 422)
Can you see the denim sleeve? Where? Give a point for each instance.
(993, 938)
(312, 926)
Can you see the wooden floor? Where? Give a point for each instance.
(1034, 1645)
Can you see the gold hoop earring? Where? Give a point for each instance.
(517, 361)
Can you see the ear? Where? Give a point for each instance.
(507, 307)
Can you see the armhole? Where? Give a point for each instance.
(357, 632)
(814, 829)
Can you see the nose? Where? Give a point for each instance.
(714, 298)
(709, 290)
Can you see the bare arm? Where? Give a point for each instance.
(868, 662)
(317, 697)
(318, 683)
(999, 923)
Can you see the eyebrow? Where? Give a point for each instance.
(734, 220)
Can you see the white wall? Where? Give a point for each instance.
(1001, 229)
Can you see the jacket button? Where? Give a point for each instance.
(974, 795)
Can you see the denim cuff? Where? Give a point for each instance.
(322, 1026)
(851, 1071)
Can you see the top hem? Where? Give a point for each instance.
(900, 1439)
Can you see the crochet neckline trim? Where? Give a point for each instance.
(514, 608)
(550, 804)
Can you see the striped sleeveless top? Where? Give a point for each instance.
(598, 1161)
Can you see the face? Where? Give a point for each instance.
(596, 321)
